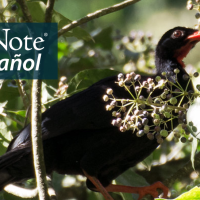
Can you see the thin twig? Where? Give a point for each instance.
(25, 10)
(37, 145)
(36, 133)
(49, 10)
(23, 93)
(95, 15)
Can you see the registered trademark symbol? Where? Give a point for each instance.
(45, 34)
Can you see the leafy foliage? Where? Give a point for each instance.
(83, 61)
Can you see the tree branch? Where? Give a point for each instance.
(37, 146)
(183, 172)
(25, 10)
(49, 10)
(23, 93)
(36, 133)
(95, 15)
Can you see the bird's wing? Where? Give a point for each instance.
(84, 110)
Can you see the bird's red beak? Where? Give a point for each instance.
(184, 50)
(195, 36)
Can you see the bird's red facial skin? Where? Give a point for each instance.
(181, 53)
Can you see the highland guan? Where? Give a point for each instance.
(78, 137)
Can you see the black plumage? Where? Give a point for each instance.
(77, 132)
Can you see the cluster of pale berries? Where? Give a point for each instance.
(151, 115)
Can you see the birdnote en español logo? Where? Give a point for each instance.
(28, 51)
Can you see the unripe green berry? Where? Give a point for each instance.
(176, 71)
(158, 78)
(146, 128)
(163, 96)
(166, 91)
(173, 100)
(190, 123)
(167, 114)
(156, 121)
(164, 133)
(156, 116)
(194, 128)
(163, 73)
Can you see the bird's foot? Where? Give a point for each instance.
(142, 191)
(152, 190)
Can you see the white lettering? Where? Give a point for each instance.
(5, 68)
(32, 64)
(6, 40)
(26, 42)
(11, 45)
(35, 42)
(38, 62)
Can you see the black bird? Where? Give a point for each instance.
(78, 137)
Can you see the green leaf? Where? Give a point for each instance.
(86, 78)
(48, 90)
(37, 10)
(17, 115)
(103, 39)
(147, 162)
(193, 194)
(5, 137)
(130, 178)
(76, 32)
(9, 92)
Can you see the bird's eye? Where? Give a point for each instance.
(177, 34)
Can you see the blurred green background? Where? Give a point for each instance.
(155, 16)
(108, 52)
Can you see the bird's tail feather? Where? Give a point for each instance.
(7, 162)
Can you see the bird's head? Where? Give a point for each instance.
(175, 44)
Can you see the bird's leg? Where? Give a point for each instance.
(99, 186)
(142, 191)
